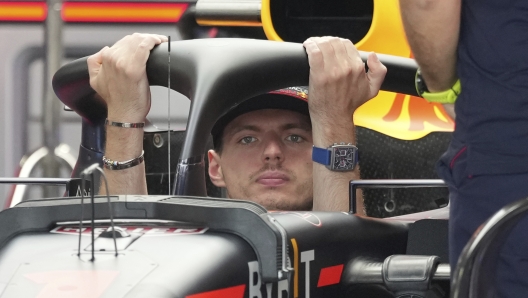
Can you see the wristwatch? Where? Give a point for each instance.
(338, 157)
(448, 96)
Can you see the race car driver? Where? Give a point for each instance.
(265, 154)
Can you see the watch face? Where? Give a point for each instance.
(343, 158)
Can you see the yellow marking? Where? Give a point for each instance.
(386, 34)
(296, 268)
(267, 24)
(439, 114)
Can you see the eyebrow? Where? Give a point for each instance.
(244, 127)
(301, 125)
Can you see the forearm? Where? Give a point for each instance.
(331, 189)
(338, 86)
(124, 144)
(432, 29)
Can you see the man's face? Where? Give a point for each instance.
(266, 158)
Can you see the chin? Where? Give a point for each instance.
(276, 199)
(283, 203)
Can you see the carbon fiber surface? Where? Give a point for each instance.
(384, 157)
(156, 157)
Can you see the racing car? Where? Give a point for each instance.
(186, 244)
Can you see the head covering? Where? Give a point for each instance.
(292, 98)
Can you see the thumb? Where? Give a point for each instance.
(376, 73)
(95, 62)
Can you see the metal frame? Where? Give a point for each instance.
(389, 183)
(71, 185)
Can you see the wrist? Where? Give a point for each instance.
(126, 117)
(325, 135)
(123, 143)
(342, 117)
(127, 113)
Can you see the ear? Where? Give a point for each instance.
(215, 170)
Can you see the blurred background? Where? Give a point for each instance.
(86, 28)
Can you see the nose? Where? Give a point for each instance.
(273, 150)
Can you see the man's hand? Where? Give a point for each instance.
(338, 86)
(118, 75)
(338, 81)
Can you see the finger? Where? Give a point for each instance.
(97, 58)
(94, 62)
(376, 73)
(162, 38)
(339, 49)
(145, 46)
(156, 37)
(315, 57)
(351, 50)
(326, 50)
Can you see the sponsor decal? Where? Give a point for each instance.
(299, 92)
(330, 276)
(144, 230)
(79, 192)
(256, 289)
(255, 284)
(306, 258)
(232, 292)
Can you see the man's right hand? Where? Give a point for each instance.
(118, 75)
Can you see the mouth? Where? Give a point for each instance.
(272, 179)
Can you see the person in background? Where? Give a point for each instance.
(474, 52)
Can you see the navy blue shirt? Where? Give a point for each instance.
(492, 109)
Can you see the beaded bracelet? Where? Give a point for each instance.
(125, 124)
(121, 165)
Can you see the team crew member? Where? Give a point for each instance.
(477, 48)
(266, 154)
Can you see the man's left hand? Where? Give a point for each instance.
(339, 83)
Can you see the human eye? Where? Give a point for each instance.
(295, 138)
(247, 140)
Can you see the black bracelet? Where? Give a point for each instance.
(121, 165)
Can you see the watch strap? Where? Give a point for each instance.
(448, 96)
(321, 155)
